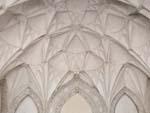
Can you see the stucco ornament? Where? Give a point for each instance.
(73, 87)
(51, 50)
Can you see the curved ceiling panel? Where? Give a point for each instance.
(45, 43)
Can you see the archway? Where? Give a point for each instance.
(125, 95)
(27, 106)
(28, 94)
(125, 105)
(72, 88)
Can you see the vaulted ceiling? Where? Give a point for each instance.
(45, 43)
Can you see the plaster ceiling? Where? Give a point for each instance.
(44, 44)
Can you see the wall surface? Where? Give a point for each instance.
(93, 51)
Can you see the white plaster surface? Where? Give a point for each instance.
(51, 50)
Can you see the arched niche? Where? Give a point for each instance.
(27, 106)
(125, 105)
(126, 96)
(28, 92)
(73, 87)
(76, 104)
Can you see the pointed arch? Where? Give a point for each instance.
(73, 87)
(27, 105)
(131, 95)
(126, 105)
(121, 73)
(28, 92)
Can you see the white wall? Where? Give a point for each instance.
(76, 104)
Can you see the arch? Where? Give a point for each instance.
(73, 87)
(28, 92)
(11, 63)
(131, 95)
(138, 62)
(27, 105)
(126, 105)
(122, 70)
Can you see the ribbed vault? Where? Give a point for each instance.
(47, 46)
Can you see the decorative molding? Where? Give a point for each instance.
(132, 96)
(73, 87)
(27, 92)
